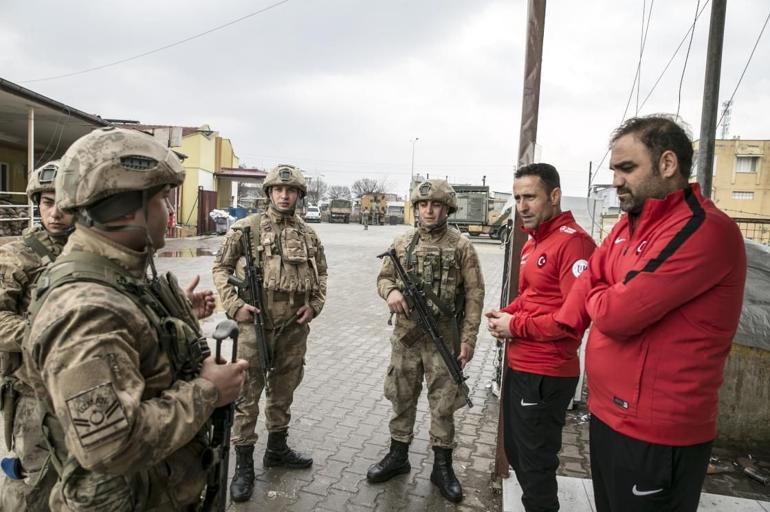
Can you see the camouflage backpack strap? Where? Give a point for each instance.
(409, 252)
(256, 234)
(39, 248)
(82, 266)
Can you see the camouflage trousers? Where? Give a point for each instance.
(288, 347)
(411, 359)
(29, 446)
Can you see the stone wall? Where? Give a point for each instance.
(744, 399)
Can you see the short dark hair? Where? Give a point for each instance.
(659, 133)
(546, 172)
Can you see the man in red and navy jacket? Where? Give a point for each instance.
(664, 292)
(542, 355)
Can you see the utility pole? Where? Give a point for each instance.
(726, 105)
(533, 63)
(710, 108)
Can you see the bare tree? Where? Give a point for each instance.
(316, 189)
(368, 186)
(338, 192)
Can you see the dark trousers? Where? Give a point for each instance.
(633, 476)
(533, 416)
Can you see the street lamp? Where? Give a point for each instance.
(411, 179)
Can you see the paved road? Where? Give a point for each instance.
(339, 413)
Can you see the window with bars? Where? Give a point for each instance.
(743, 196)
(746, 163)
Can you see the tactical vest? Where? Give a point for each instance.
(170, 315)
(287, 257)
(11, 361)
(437, 272)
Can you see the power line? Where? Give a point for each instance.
(156, 50)
(686, 58)
(657, 81)
(673, 56)
(746, 66)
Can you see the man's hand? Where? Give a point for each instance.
(499, 324)
(227, 378)
(466, 354)
(305, 314)
(246, 313)
(397, 303)
(202, 302)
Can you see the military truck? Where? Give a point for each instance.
(340, 210)
(473, 208)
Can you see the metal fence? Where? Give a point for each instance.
(754, 229)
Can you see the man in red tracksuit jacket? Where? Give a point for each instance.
(542, 356)
(664, 292)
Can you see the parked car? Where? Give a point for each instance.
(313, 214)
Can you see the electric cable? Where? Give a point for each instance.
(156, 50)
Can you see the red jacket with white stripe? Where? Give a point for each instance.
(551, 260)
(665, 296)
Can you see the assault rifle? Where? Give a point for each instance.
(250, 290)
(221, 423)
(415, 297)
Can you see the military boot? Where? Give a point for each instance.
(443, 476)
(278, 453)
(396, 462)
(242, 484)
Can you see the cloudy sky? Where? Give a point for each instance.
(342, 87)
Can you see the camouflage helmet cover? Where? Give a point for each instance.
(288, 175)
(435, 190)
(42, 180)
(111, 161)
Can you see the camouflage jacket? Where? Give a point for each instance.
(20, 266)
(295, 281)
(446, 263)
(95, 360)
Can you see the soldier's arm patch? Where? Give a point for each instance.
(97, 415)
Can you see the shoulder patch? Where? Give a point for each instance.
(568, 230)
(579, 267)
(97, 415)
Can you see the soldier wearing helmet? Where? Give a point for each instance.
(447, 266)
(291, 258)
(115, 356)
(21, 263)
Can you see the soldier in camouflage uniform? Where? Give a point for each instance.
(21, 263)
(114, 355)
(294, 267)
(446, 266)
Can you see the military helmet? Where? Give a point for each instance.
(110, 161)
(435, 190)
(42, 180)
(288, 175)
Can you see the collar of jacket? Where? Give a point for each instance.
(655, 210)
(433, 235)
(55, 242)
(281, 218)
(546, 228)
(87, 239)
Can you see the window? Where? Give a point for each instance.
(743, 196)
(4, 170)
(746, 164)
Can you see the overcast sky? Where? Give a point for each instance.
(341, 87)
